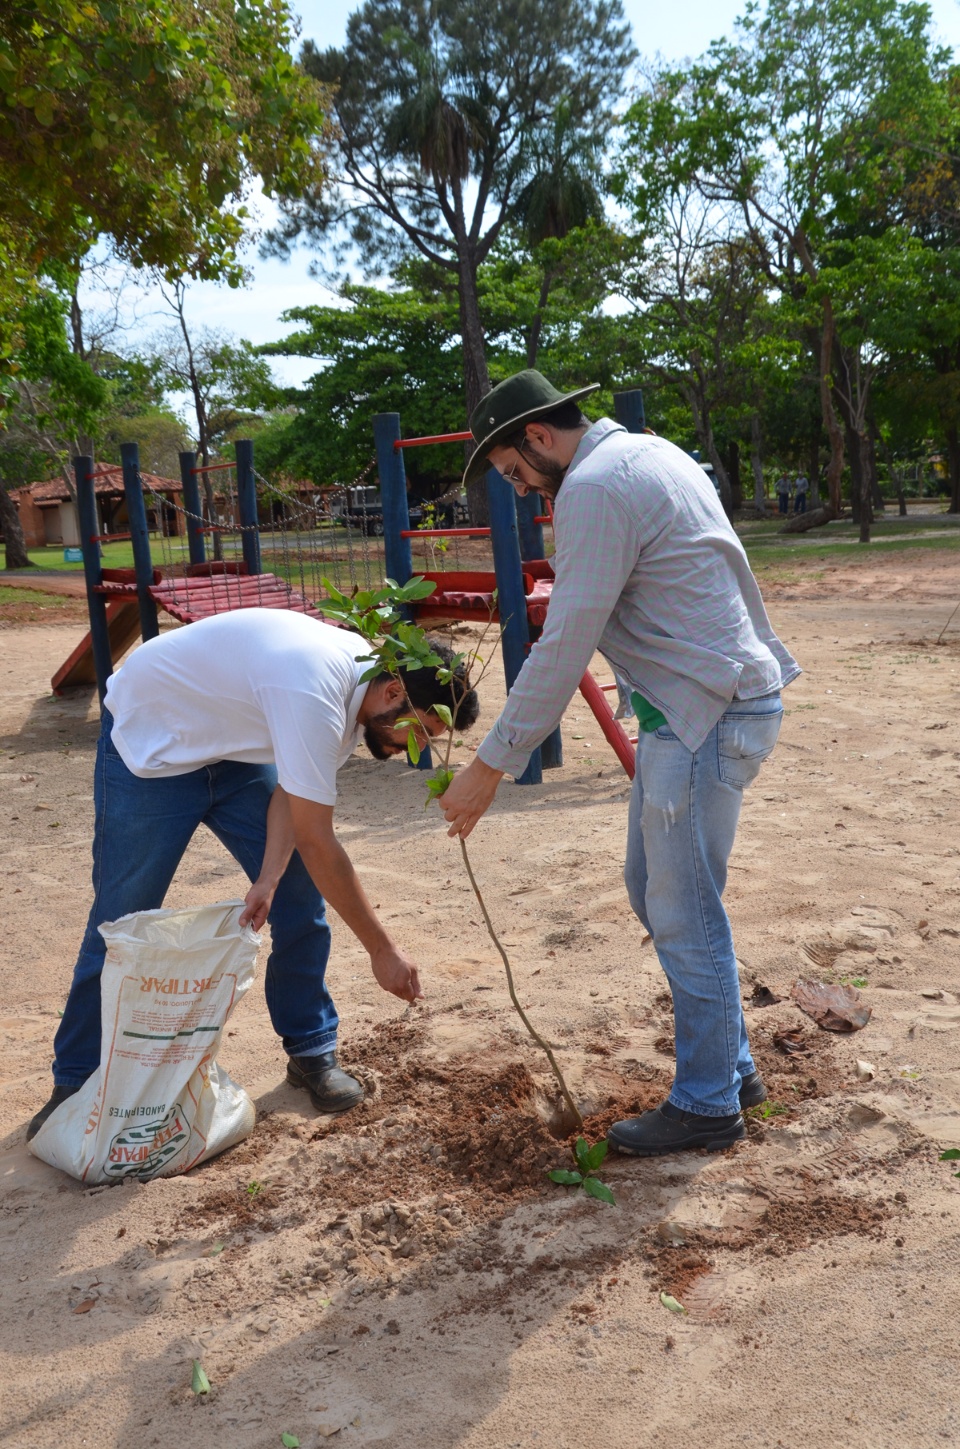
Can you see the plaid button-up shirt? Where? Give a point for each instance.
(650, 572)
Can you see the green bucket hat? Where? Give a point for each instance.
(520, 399)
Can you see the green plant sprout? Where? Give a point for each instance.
(952, 1154)
(395, 644)
(588, 1159)
(765, 1110)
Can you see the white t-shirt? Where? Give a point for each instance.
(266, 686)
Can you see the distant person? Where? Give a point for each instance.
(800, 489)
(784, 489)
(240, 723)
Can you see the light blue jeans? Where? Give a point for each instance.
(142, 829)
(681, 827)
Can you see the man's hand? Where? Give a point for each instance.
(257, 903)
(468, 796)
(395, 972)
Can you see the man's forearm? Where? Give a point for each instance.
(280, 841)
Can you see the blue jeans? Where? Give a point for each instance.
(681, 827)
(142, 828)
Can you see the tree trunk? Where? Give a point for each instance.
(894, 472)
(704, 430)
(814, 464)
(733, 469)
(856, 471)
(476, 378)
(14, 541)
(536, 326)
(876, 497)
(756, 461)
(953, 455)
(834, 505)
(866, 508)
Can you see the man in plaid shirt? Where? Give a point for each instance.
(649, 571)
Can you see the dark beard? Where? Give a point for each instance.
(374, 735)
(550, 471)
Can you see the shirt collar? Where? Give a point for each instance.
(591, 438)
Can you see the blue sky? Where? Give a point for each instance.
(674, 30)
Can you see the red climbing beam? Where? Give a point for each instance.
(437, 438)
(445, 533)
(616, 735)
(212, 467)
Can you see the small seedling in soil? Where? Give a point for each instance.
(289, 1441)
(588, 1159)
(766, 1110)
(254, 1188)
(200, 1384)
(951, 1155)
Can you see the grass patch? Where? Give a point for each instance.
(10, 595)
(764, 555)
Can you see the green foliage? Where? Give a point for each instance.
(147, 124)
(588, 1160)
(952, 1154)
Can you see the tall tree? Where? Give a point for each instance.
(802, 121)
(147, 123)
(439, 105)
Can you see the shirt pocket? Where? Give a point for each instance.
(745, 741)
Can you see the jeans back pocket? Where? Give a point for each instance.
(744, 742)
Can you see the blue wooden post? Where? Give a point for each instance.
(511, 600)
(628, 410)
(531, 534)
(398, 558)
(247, 501)
(393, 495)
(190, 483)
(139, 538)
(531, 546)
(93, 572)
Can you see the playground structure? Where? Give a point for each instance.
(303, 548)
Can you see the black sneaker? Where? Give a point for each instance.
(668, 1129)
(60, 1094)
(331, 1090)
(752, 1091)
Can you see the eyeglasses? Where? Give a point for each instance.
(512, 477)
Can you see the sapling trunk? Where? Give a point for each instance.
(543, 1045)
(365, 612)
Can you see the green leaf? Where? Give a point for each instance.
(596, 1155)
(565, 1176)
(289, 1441)
(952, 1154)
(413, 749)
(671, 1303)
(200, 1383)
(595, 1188)
(581, 1152)
(442, 712)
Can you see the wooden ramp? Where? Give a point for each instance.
(123, 627)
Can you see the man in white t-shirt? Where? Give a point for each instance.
(240, 723)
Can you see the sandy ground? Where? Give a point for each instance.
(406, 1276)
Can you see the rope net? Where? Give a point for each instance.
(333, 534)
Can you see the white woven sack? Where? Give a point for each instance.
(159, 1104)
